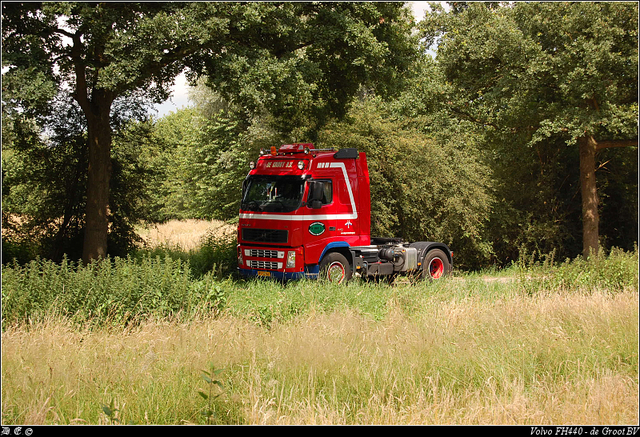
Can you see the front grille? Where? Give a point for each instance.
(264, 265)
(265, 235)
(260, 253)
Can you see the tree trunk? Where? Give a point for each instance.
(590, 216)
(98, 181)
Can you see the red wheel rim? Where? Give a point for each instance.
(436, 268)
(335, 272)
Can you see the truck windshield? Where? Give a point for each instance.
(272, 193)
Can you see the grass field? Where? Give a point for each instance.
(184, 234)
(129, 342)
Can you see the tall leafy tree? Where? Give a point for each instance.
(539, 71)
(44, 183)
(308, 60)
(423, 188)
(290, 58)
(202, 161)
(99, 52)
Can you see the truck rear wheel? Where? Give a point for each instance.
(435, 265)
(335, 268)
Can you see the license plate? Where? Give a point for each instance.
(261, 273)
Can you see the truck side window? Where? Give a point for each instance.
(327, 193)
(323, 190)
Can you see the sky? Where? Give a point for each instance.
(179, 92)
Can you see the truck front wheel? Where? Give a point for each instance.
(335, 268)
(435, 265)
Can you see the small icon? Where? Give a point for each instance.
(348, 223)
(5, 430)
(28, 432)
(17, 430)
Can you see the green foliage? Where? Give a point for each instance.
(129, 187)
(126, 47)
(43, 181)
(216, 255)
(469, 149)
(538, 202)
(614, 272)
(304, 62)
(618, 192)
(204, 162)
(112, 412)
(166, 154)
(201, 156)
(126, 291)
(300, 62)
(209, 412)
(537, 65)
(532, 79)
(116, 291)
(422, 189)
(44, 188)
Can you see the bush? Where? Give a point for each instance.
(114, 290)
(614, 271)
(124, 291)
(422, 189)
(216, 255)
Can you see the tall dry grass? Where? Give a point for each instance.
(546, 359)
(184, 234)
(556, 344)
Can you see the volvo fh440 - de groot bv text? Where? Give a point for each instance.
(306, 212)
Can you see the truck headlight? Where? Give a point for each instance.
(291, 259)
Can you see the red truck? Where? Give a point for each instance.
(305, 212)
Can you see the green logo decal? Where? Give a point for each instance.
(316, 228)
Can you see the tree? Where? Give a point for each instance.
(202, 161)
(422, 188)
(100, 52)
(104, 51)
(44, 183)
(303, 62)
(538, 71)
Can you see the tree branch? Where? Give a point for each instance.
(64, 32)
(471, 118)
(81, 93)
(607, 144)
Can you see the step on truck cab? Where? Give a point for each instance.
(305, 212)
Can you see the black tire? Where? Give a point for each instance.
(435, 265)
(334, 267)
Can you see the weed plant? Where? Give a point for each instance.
(216, 254)
(614, 271)
(125, 341)
(166, 284)
(115, 291)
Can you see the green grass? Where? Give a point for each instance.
(128, 340)
(125, 290)
(518, 359)
(116, 291)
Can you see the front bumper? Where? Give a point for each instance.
(272, 262)
(266, 274)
